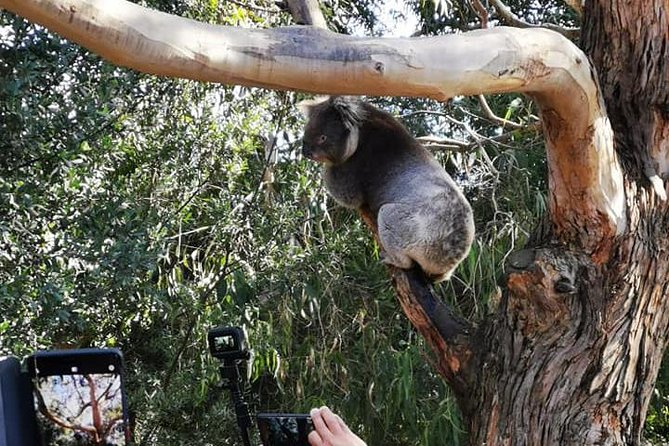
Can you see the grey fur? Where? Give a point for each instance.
(370, 160)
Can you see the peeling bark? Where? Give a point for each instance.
(537, 351)
(628, 42)
(572, 354)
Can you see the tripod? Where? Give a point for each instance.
(232, 371)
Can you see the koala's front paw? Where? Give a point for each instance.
(440, 277)
(399, 261)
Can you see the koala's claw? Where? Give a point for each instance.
(388, 259)
(383, 257)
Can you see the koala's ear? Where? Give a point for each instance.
(350, 109)
(307, 106)
(352, 142)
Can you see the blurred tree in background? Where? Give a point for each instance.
(138, 212)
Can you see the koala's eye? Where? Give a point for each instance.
(322, 139)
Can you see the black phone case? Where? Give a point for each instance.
(87, 360)
(81, 362)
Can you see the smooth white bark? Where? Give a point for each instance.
(585, 176)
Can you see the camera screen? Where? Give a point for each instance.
(284, 429)
(224, 343)
(80, 409)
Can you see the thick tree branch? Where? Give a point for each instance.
(636, 81)
(446, 333)
(585, 177)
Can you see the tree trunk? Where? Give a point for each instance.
(572, 354)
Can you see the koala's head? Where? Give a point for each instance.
(333, 128)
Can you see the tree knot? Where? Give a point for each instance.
(538, 284)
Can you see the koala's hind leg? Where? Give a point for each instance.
(396, 231)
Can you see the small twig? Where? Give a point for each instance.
(494, 118)
(254, 7)
(435, 143)
(513, 20)
(422, 112)
(193, 194)
(435, 147)
(446, 142)
(478, 138)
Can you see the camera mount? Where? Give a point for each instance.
(227, 344)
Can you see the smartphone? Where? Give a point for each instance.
(284, 429)
(79, 397)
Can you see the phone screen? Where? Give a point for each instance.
(278, 429)
(79, 397)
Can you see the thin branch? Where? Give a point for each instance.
(445, 143)
(494, 118)
(433, 142)
(44, 410)
(489, 114)
(480, 11)
(436, 147)
(192, 231)
(254, 7)
(477, 141)
(513, 20)
(456, 145)
(576, 5)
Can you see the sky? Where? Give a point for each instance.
(398, 28)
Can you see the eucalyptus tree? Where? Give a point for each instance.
(570, 354)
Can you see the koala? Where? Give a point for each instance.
(371, 161)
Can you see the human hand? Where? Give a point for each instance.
(330, 430)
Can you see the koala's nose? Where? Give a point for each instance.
(307, 152)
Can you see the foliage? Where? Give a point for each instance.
(441, 16)
(657, 419)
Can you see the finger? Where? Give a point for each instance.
(315, 439)
(331, 420)
(319, 424)
(343, 425)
